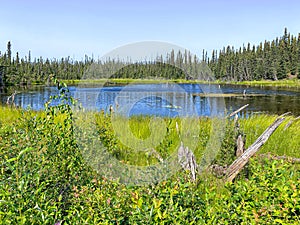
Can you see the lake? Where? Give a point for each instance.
(170, 99)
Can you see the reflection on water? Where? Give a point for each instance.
(169, 99)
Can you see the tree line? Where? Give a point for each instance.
(276, 59)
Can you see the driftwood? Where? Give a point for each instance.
(241, 161)
(187, 159)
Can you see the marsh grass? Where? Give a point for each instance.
(8, 115)
(282, 142)
(295, 83)
(286, 83)
(133, 140)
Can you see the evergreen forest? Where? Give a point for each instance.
(269, 60)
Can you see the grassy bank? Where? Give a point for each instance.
(286, 83)
(44, 178)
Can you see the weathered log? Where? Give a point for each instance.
(238, 110)
(240, 162)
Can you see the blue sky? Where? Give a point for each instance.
(74, 28)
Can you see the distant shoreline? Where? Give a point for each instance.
(288, 83)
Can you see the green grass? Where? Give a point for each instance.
(114, 81)
(289, 83)
(44, 178)
(282, 142)
(286, 83)
(8, 115)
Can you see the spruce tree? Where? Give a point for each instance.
(8, 52)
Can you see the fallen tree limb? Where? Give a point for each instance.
(241, 161)
(290, 122)
(285, 114)
(238, 110)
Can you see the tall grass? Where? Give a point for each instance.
(282, 142)
(8, 115)
(163, 132)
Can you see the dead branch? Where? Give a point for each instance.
(240, 146)
(11, 99)
(240, 162)
(290, 123)
(235, 122)
(239, 142)
(285, 114)
(237, 111)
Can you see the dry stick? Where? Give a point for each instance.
(285, 114)
(12, 97)
(239, 142)
(290, 123)
(221, 170)
(240, 146)
(237, 111)
(240, 162)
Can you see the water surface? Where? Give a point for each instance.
(169, 99)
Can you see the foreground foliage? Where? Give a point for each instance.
(45, 180)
